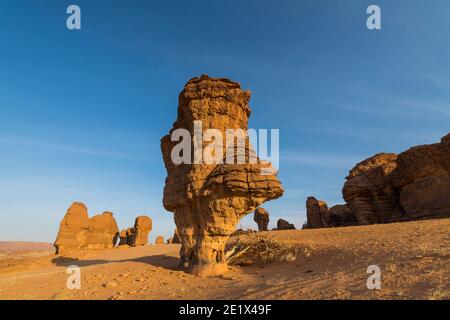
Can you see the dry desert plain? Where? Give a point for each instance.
(414, 259)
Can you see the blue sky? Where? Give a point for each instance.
(82, 112)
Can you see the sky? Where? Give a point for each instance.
(82, 111)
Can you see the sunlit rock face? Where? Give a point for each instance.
(78, 232)
(208, 200)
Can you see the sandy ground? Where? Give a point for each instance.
(414, 259)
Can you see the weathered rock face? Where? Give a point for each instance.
(77, 231)
(342, 216)
(422, 180)
(261, 217)
(284, 225)
(317, 213)
(387, 187)
(369, 192)
(176, 237)
(208, 200)
(159, 240)
(131, 236)
(143, 226)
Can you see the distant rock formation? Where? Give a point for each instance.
(123, 239)
(143, 226)
(320, 216)
(208, 200)
(387, 187)
(284, 225)
(77, 231)
(159, 240)
(170, 241)
(261, 217)
(138, 235)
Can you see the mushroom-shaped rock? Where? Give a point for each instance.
(284, 225)
(159, 240)
(143, 226)
(210, 190)
(261, 217)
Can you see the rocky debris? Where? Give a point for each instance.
(208, 200)
(159, 240)
(77, 231)
(387, 187)
(143, 226)
(123, 239)
(261, 217)
(176, 237)
(239, 232)
(284, 225)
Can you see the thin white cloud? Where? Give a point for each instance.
(66, 148)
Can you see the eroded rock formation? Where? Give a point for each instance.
(77, 231)
(320, 216)
(261, 217)
(387, 187)
(159, 240)
(284, 225)
(208, 200)
(143, 226)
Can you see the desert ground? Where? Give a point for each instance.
(414, 259)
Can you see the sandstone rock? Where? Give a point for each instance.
(284, 225)
(123, 238)
(414, 184)
(143, 226)
(320, 216)
(170, 241)
(208, 200)
(342, 216)
(176, 237)
(131, 236)
(261, 217)
(317, 213)
(159, 240)
(369, 192)
(77, 231)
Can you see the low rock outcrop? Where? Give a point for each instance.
(78, 232)
(209, 198)
(261, 217)
(284, 225)
(320, 216)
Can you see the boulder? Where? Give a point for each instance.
(261, 217)
(77, 231)
(170, 241)
(208, 198)
(317, 213)
(284, 225)
(142, 226)
(123, 240)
